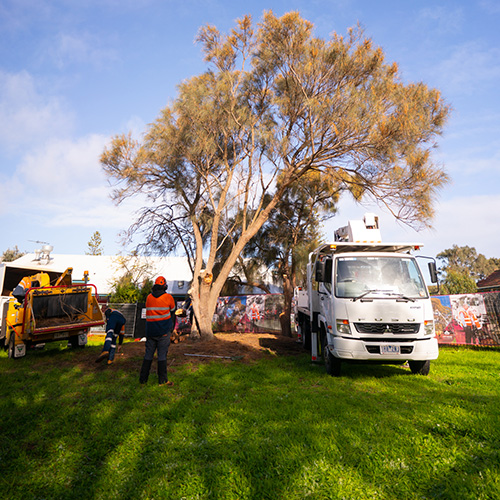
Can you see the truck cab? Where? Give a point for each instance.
(367, 302)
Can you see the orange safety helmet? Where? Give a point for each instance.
(160, 281)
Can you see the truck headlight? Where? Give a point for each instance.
(429, 327)
(343, 327)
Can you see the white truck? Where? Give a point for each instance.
(366, 301)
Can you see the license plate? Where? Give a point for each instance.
(62, 335)
(389, 349)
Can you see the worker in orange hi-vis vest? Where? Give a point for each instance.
(160, 308)
(468, 320)
(254, 310)
(37, 280)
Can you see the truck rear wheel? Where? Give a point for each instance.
(306, 335)
(420, 367)
(332, 364)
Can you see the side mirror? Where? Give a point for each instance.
(433, 272)
(319, 274)
(323, 271)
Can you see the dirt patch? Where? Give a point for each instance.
(225, 347)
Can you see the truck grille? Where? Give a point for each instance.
(380, 328)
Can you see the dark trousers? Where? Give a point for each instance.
(159, 344)
(468, 334)
(110, 344)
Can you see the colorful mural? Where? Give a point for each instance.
(248, 313)
(468, 319)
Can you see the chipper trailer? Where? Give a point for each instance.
(53, 308)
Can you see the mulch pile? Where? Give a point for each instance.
(225, 348)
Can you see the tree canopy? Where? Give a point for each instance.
(462, 267)
(275, 104)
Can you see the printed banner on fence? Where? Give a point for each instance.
(469, 319)
(248, 313)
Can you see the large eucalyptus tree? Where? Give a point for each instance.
(275, 104)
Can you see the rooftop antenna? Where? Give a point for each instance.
(42, 255)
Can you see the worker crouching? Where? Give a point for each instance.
(159, 324)
(115, 321)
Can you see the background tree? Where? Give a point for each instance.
(125, 291)
(457, 282)
(462, 267)
(292, 231)
(11, 254)
(95, 245)
(274, 105)
(246, 275)
(134, 283)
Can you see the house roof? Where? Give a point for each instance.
(491, 281)
(104, 270)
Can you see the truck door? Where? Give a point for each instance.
(325, 288)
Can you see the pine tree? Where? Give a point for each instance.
(95, 245)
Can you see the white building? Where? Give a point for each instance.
(105, 270)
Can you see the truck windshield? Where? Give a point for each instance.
(378, 276)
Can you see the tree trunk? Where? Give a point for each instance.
(205, 324)
(204, 304)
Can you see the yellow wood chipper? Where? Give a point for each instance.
(53, 308)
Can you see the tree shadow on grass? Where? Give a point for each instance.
(281, 428)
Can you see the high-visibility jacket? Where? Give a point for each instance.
(158, 314)
(25, 282)
(41, 279)
(255, 312)
(468, 318)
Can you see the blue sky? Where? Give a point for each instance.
(73, 74)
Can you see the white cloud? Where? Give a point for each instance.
(64, 184)
(476, 161)
(69, 49)
(447, 20)
(64, 166)
(94, 211)
(470, 66)
(471, 221)
(26, 117)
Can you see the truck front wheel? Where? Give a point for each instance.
(332, 364)
(420, 367)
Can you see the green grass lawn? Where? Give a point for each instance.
(276, 429)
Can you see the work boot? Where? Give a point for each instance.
(146, 366)
(162, 372)
(103, 355)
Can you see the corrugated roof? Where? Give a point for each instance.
(493, 280)
(104, 270)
